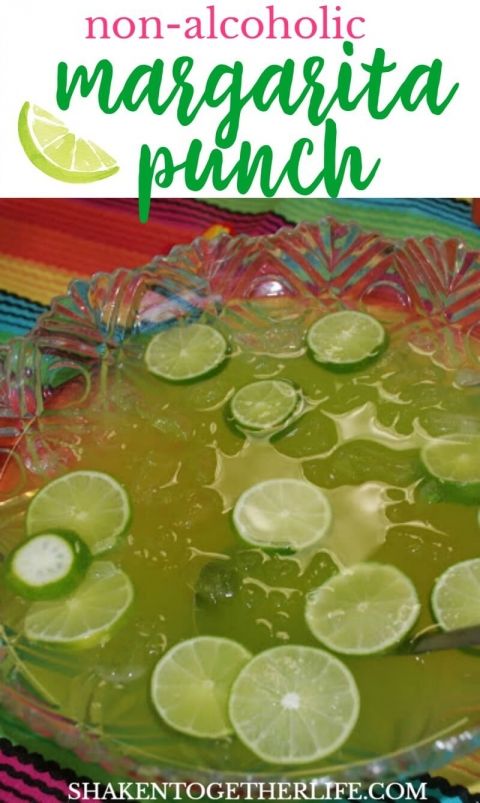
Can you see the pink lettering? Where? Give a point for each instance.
(91, 22)
(312, 27)
(223, 28)
(158, 28)
(271, 25)
(245, 25)
(130, 26)
(350, 31)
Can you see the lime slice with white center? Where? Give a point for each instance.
(191, 684)
(292, 705)
(264, 404)
(368, 609)
(88, 615)
(346, 340)
(283, 514)
(456, 596)
(185, 352)
(89, 503)
(455, 462)
(52, 147)
(47, 565)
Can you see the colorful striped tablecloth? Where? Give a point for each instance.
(44, 244)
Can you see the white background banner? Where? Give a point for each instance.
(420, 152)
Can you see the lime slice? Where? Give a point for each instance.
(346, 340)
(292, 705)
(283, 514)
(455, 462)
(185, 352)
(456, 596)
(191, 684)
(47, 565)
(52, 148)
(264, 404)
(368, 609)
(89, 503)
(88, 616)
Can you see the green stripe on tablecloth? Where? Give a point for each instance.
(393, 218)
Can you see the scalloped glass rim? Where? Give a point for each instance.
(338, 265)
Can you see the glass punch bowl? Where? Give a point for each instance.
(432, 291)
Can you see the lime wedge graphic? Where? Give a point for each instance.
(291, 705)
(52, 147)
(191, 684)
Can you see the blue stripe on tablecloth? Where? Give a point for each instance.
(446, 209)
(17, 314)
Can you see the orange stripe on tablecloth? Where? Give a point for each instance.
(113, 221)
(32, 279)
(65, 250)
(86, 240)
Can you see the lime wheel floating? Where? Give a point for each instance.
(86, 617)
(47, 565)
(456, 596)
(185, 352)
(284, 514)
(293, 705)
(57, 152)
(455, 463)
(346, 340)
(89, 503)
(369, 608)
(265, 404)
(191, 684)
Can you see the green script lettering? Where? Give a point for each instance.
(289, 87)
(159, 169)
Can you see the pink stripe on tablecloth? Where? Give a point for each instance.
(21, 780)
